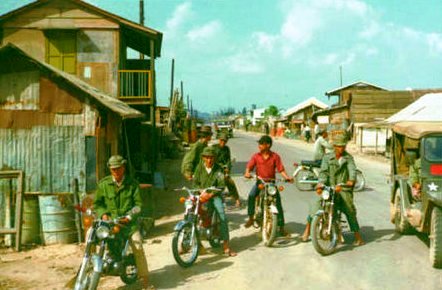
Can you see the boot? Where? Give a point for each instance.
(249, 223)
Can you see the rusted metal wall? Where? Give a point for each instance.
(49, 156)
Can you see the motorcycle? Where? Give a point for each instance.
(266, 212)
(306, 176)
(106, 253)
(200, 222)
(326, 224)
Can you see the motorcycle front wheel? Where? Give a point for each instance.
(360, 181)
(305, 175)
(323, 241)
(130, 270)
(185, 245)
(215, 239)
(269, 227)
(85, 276)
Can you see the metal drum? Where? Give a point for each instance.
(30, 230)
(58, 219)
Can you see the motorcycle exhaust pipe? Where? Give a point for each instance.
(308, 181)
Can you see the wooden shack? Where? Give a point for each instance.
(301, 114)
(93, 45)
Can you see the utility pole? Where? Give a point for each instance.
(182, 91)
(171, 80)
(141, 21)
(340, 73)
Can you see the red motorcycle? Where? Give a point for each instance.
(200, 222)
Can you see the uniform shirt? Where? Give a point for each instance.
(319, 148)
(192, 158)
(118, 201)
(334, 172)
(266, 168)
(223, 156)
(204, 179)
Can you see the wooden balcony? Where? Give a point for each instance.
(135, 86)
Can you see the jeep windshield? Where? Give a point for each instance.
(433, 148)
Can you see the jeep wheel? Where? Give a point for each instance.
(401, 224)
(436, 238)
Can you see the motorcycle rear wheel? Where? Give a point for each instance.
(324, 243)
(185, 248)
(303, 175)
(360, 181)
(269, 227)
(130, 270)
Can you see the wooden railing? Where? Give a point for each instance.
(135, 84)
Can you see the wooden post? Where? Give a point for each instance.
(361, 138)
(376, 143)
(18, 207)
(77, 213)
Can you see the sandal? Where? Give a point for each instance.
(305, 239)
(230, 253)
(358, 243)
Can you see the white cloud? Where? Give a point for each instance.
(434, 41)
(370, 31)
(206, 31)
(181, 13)
(300, 24)
(265, 42)
(330, 59)
(245, 63)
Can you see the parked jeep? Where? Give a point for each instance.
(223, 126)
(417, 156)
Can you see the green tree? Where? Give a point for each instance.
(271, 111)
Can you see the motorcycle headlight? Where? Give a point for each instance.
(325, 194)
(272, 190)
(188, 204)
(102, 232)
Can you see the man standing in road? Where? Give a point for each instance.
(193, 157)
(223, 158)
(321, 146)
(208, 173)
(116, 196)
(338, 167)
(266, 163)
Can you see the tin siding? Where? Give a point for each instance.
(50, 157)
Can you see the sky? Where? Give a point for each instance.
(235, 53)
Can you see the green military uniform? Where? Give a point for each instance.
(118, 201)
(204, 179)
(333, 172)
(223, 156)
(192, 158)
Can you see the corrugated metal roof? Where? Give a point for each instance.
(95, 96)
(427, 108)
(305, 104)
(355, 84)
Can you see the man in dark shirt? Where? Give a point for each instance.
(265, 163)
(224, 160)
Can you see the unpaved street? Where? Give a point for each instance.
(387, 261)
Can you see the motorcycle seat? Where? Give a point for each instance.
(312, 163)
